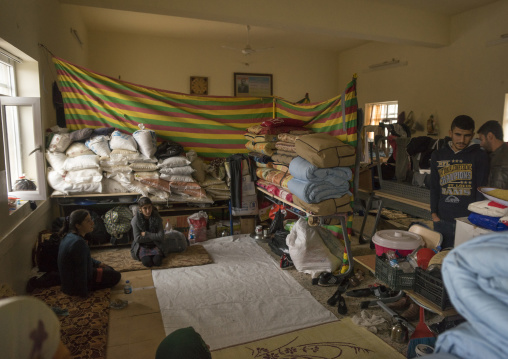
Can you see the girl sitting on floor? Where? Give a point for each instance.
(149, 244)
(79, 272)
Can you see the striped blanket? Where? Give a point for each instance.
(211, 125)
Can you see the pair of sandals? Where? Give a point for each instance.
(338, 299)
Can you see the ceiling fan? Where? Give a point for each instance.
(248, 49)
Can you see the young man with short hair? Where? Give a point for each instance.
(457, 170)
(490, 135)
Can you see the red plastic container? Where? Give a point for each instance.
(396, 240)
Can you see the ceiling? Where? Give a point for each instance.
(118, 16)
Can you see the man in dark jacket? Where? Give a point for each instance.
(457, 170)
(491, 137)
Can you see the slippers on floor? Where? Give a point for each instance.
(342, 307)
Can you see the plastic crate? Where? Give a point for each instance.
(394, 278)
(432, 288)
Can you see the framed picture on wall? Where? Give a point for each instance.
(253, 85)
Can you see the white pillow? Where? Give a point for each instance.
(56, 161)
(176, 161)
(84, 176)
(78, 149)
(81, 162)
(122, 141)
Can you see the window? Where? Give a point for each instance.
(376, 113)
(20, 125)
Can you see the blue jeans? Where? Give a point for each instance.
(447, 229)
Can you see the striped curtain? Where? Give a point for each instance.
(211, 125)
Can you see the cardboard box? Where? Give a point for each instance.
(247, 225)
(249, 206)
(179, 223)
(465, 231)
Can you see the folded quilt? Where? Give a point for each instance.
(287, 137)
(285, 146)
(315, 192)
(265, 148)
(278, 178)
(280, 167)
(303, 170)
(275, 190)
(282, 158)
(251, 137)
(327, 207)
(261, 130)
(476, 277)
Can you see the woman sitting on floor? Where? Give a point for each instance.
(149, 244)
(79, 272)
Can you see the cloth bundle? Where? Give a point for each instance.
(275, 190)
(476, 277)
(278, 178)
(315, 192)
(323, 150)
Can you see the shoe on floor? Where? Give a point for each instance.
(400, 304)
(412, 312)
(327, 279)
(286, 262)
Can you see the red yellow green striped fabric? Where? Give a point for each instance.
(211, 125)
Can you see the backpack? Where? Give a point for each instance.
(45, 251)
(118, 223)
(99, 235)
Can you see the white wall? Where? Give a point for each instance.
(467, 77)
(23, 25)
(167, 63)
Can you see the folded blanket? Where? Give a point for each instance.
(287, 137)
(265, 148)
(285, 146)
(278, 178)
(305, 171)
(251, 137)
(275, 190)
(476, 278)
(280, 167)
(315, 192)
(282, 158)
(323, 150)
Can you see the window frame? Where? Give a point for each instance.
(34, 102)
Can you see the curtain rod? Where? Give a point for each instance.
(10, 56)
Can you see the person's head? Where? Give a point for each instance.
(490, 135)
(461, 132)
(79, 222)
(30, 329)
(183, 343)
(145, 206)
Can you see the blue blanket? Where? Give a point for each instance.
(315, 192)
(476, 278)
(303, 170)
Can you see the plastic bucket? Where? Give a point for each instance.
(396, 240)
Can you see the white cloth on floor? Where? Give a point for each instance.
(367, 320)
(241, 297)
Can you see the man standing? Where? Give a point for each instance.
(491, 137)
(457, 170)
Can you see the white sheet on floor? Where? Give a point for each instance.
(242, 296)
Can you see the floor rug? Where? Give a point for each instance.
(342, 339)
(242, 296)
(121, 260)
(85, 329)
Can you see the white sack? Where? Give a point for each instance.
(146, 140)
(122, 141)
(175, 161)
(81, 162)
(99, 145)
(56, 160)
(59, 142)
(84, 176)
(111, 186)
(308, 251)
(78, 149)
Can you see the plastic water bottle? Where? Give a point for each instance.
(192, 237)
(127, 289)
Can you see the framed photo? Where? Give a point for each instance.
(253, 85)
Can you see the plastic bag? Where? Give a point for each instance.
(277, 223)
(146, 140)
(175, 240)
(197, 226)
